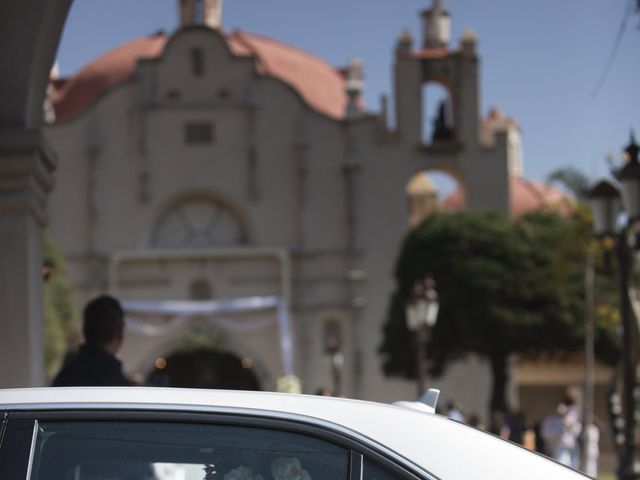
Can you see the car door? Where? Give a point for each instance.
(152, 445)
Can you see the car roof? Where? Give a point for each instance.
(443, 447)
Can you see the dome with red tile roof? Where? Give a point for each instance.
(115, 66)
(526, 196)
(320, 85)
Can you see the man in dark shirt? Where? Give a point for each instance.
(95, 364)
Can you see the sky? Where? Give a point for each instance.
(541, 61)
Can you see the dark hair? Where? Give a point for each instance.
(103, 320)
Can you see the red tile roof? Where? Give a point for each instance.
(525, 196)
(319, 84)
(109, 69)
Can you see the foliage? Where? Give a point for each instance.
(289, 384)
(204, 337)
(504, 286)
(60, 325)
(572, 179)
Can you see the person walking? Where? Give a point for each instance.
(573, 429)
(560, 432)
(95, 363)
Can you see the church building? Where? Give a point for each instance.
(233, 191)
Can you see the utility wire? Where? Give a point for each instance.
(616, 46)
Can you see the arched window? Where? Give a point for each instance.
(198, 223)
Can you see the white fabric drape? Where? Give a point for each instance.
(180, 313)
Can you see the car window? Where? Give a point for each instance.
(3, 425)
(180, 451)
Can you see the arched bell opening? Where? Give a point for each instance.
(438, 122)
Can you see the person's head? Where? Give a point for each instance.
(562, 409)
(474, 421)
(103, 323)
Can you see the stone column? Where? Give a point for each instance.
(29, 35)
(26, 165)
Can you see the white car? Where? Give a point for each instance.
(182, 434)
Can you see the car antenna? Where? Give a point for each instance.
(430, 397)
(426, 403)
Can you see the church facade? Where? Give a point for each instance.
(220, 169)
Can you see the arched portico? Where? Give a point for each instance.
(29, 35)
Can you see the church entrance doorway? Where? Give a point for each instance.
(204, 368)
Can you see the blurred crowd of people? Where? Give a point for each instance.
(559, 435)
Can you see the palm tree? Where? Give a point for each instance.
(573, 180)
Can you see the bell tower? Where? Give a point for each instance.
(201, 12)
(455, 68)
(450, 140)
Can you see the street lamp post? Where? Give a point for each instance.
(422, 315)
(604, 199)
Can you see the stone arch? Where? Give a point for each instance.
(174, 344)
(198, 219)
(425, 193)
(205, 368)
(25, 70)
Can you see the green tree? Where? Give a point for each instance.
(505, 287)
(60, 323)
